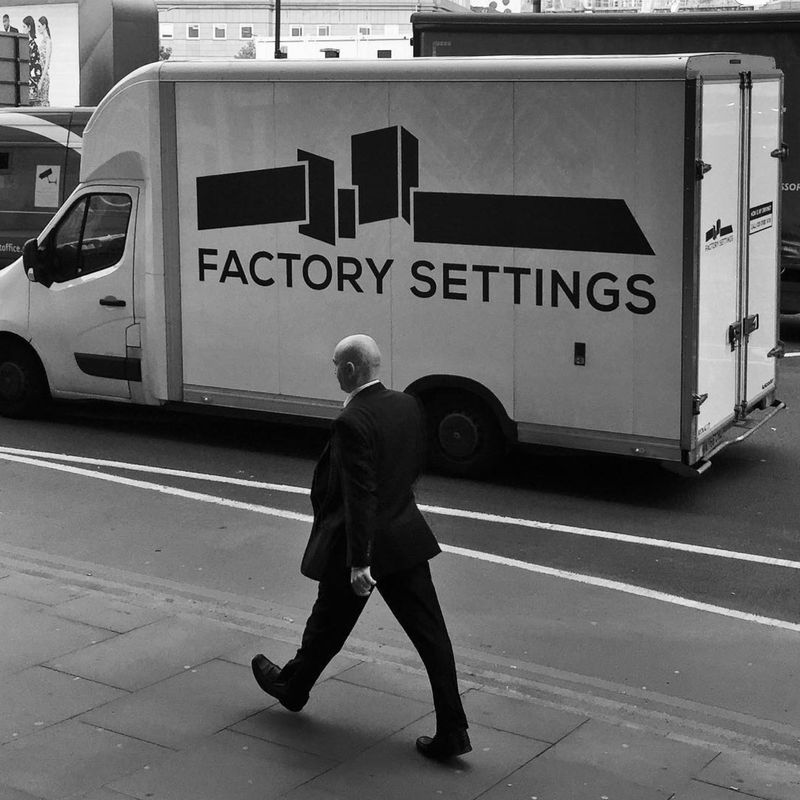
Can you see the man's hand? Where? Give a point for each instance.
(361, 580)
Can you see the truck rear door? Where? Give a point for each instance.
(738, 263)
(763, 216)
(717, 361)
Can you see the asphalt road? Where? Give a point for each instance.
(579, 572)
(571, 512)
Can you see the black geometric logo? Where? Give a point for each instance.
(385, 177)
(714, 233)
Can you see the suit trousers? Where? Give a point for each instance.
(411, 597)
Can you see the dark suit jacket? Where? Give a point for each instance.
(362, 493)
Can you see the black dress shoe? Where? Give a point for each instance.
(267, 676)
(445, 745)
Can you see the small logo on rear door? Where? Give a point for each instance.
(718, 235)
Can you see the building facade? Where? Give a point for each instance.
(224, 29)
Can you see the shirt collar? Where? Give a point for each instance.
(356, 391)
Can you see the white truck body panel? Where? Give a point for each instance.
(527, 227)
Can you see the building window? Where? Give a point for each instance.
(220, 31)
(323, 30)
(296, 30)
(192, 31)
(384, 53)
(245, 31)
(364, 30)
(166, 30)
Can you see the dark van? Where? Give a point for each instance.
(40, 156)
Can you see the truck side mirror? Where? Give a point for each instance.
(36, 271)
(30, 258)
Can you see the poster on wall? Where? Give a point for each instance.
(52, 31)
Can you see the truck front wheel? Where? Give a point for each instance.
(464, 436)
(23, 386)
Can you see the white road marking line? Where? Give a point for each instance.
(178, 473)
(478, 516)
(627, 588)
(158, 487)
(791, 355)
(616, 537)
(587, 580)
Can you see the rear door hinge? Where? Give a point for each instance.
(778, 351)
(701, 167)
(781, 152)
(697, 401)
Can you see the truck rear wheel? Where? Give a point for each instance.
(23, 386)
(464, 436)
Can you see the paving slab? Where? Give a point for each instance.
(9, 793)
(522, 716)
(38, 697)
(40, 590)
(153, 652)
(630, 754)
(31, 636)
(390, 679)
(72, 757)
(280, 652)
(102, 793)
(227, 766)
(393, 770)
(180, 710)
(339, 721)
(552, 780)
(309, 792)
(773, 780)
(697, 790)
(102, 611)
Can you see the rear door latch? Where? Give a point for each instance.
(739, 330)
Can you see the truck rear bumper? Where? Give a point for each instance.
(737, 432)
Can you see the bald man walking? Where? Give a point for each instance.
(368, 532)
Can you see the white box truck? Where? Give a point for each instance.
(775, 34)
(578, 252)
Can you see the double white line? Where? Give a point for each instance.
(67, 463)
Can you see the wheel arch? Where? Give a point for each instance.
(429, 385)
(10, 341)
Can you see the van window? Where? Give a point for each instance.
(91, 236)
(22, 181)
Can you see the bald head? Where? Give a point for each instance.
(358, 361)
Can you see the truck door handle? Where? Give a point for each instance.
(112, 301)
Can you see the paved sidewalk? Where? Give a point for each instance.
(107, 699)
